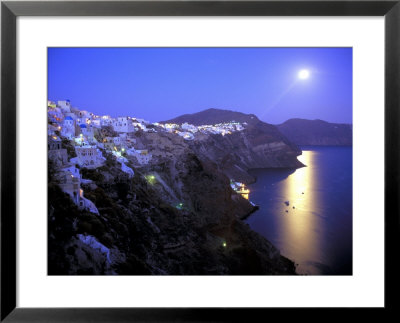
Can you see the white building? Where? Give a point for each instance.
(83, 114)
(51, 130)
(87, 131)
(56, 153)
(170, 127)
(117, 141)
(189, 127)
(106, 121)
(123, 124)
(51, 104)
(73, 170)
(143, 157)
(65, 105)
(83, 120)
(68, 128)
(96, 123)
(70, 185)
(186, 135)
(55, 115)
(69, 182)
(139, 126)
(70, 114)
(88, 156)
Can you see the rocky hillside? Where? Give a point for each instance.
(259, 145)
(177, 215)
(317, 132)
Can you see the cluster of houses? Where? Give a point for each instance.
(81, 129)
(188, 131)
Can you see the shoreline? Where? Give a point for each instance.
(255, 208)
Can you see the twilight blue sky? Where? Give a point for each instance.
(162, 83)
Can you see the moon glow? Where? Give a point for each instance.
(303, 74)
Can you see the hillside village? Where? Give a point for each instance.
(81, 139)
(127, 196)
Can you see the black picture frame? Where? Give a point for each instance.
(10, 10)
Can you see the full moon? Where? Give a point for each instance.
(303, 74)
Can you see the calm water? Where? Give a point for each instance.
(317, 232)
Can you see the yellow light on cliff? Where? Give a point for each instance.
(151, 179)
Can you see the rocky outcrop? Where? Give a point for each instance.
(251, 148)
(176, 215)
(259, 145)
(317, 132)
(183, 220)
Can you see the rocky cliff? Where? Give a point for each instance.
(177, 215)
(317, 132)
(259, 145)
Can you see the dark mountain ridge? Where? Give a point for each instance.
(317, 132)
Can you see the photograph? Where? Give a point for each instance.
(200, 161)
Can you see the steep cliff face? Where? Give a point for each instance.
(184, 220)
(178, 214)
(259, 145)
(317, 132)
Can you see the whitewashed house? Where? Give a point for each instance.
(51, 104)
(117, 141)
(139, 125)
(83, 114)
(51, 130)
(123, 124)
(83, 120)
(189, 127)
(68, 128)
(171, 127)
(96, 123)
(70, 114)
(87, 131)
(69, 182)
(55, 115)
(106, 121)
(186, 135)
(88, 156)
(56, 153)
(143, 157)
(70, 185)
(73, 170)
(65, 105)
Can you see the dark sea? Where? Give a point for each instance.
(307, 213)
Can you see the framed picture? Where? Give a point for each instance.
(193, 151)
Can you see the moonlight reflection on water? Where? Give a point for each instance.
(307, 213)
